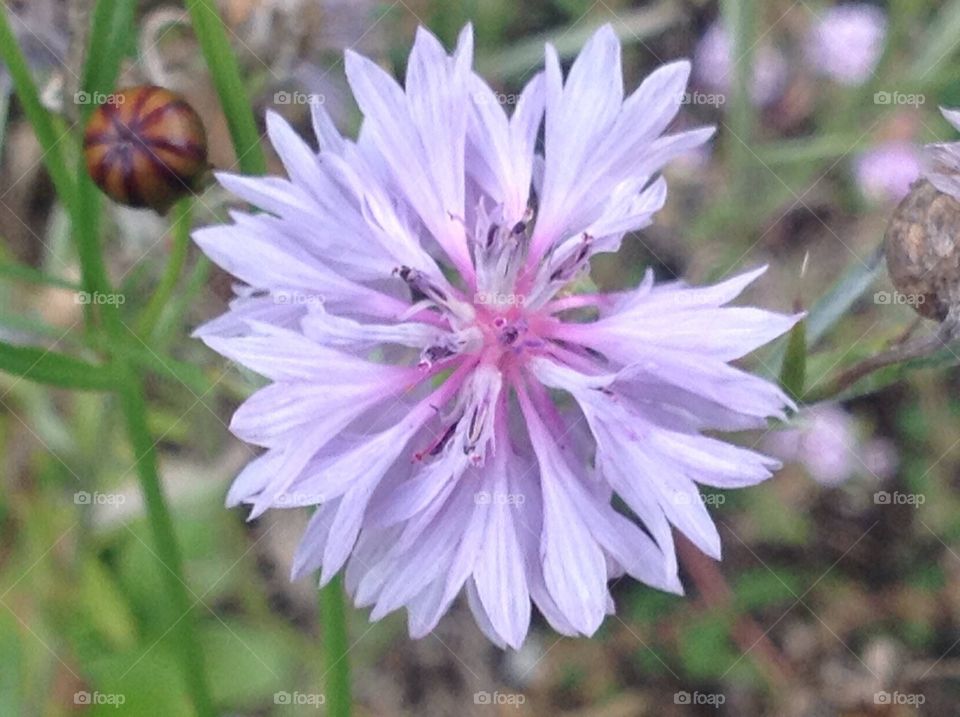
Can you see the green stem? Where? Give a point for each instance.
(135, 413)
(87, 223)
(334, 622)
(739, 17)
(209, 29)
(180, 229)
(111, 31)
(83, 203)
(180, 303)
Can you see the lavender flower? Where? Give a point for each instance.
(406, 301)
(714, 67)
(846, 41)
(885, 172)
(942, 160)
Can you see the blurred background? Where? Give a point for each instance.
(839, 592)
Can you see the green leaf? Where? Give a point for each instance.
(209, 29)
(21, 272)
(809, 149)
(793, 375)
(740, 20)
(110, 34)
(145, 357)
(939, 43)
(53, 368)
(832, 306)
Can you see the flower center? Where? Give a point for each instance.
(507, 329)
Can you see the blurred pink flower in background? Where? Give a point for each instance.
(713, 66)
(846, 41)
(827, 442)
(885, 172)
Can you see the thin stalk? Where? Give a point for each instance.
(110, 33)
(209, 29)
(739, 18)
(87, 225)
(180, 229)
(183, 631)
(333, 619)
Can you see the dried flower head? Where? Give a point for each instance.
(460, 423)
(921, 239)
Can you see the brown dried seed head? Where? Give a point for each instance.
(145, 147)
(922, 246)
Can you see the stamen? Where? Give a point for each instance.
(420, 283)
(440, 443)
